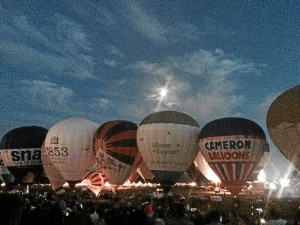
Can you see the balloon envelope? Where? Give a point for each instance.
(203, 166)
(95, 182)
(167, 141)
(21, 152)
(232, 147)
(145, 172)
(55, 178)
(69, 145)
(116, 150)
(283, 123)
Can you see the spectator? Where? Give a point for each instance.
(213, 218)
(10, 209)
(275, 218)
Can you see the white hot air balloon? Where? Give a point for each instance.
(69, 145)
(203, 166)
(55, 178)
(168, 143)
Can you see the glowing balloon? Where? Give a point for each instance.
(257, 169)
(55, 178)
(168, 144)
(203, 166)
(145, 172)
(283, 122)
(116, 150)
(95, 182)
(232, 147)
(7, 177)
(196, 175)
(21, 152)
(69, 145)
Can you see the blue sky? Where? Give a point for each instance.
(106, 60)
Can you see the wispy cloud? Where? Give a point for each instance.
(211, 91)
(154, 29)
(61, 47)
(50, 94)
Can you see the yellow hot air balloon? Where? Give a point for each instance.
(69, 145)
(283, 123)
(168, 144)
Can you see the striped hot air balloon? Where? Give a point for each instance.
(95, 182)
(232, 147)
(116, 150)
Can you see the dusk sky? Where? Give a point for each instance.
(107, 60)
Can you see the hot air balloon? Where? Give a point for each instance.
(257, 169)
(55, 178)
(69, 145)
(168, 144)
(203, 166)
(21, 153)
(232, 147)
(95, 182)
(196, 175)
(283, 123)
(116, 150)
(144, 171)
(7, 177)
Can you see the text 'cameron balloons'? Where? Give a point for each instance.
(168, 144)
(69, 145)
(116, 150)
(232, 147)
(283, 122)
(21, 152)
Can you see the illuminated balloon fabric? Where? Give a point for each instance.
(5, 174)
(95, 182)
(21, 152)
(69, 145)
(256, 170)
(232, 147)
(203, 166)
(283, 123)
(116, 150)
(145, 172)
(167, 141)
(196, 175)
(134, 173)
(55, 178)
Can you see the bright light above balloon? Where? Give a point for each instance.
(163, 92)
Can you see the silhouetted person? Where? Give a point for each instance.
(10, 209)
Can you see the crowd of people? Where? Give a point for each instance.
(17, 209)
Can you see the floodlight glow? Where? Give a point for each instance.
(193, 184)
(284, 182)
(261, 176)
(272, 186)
